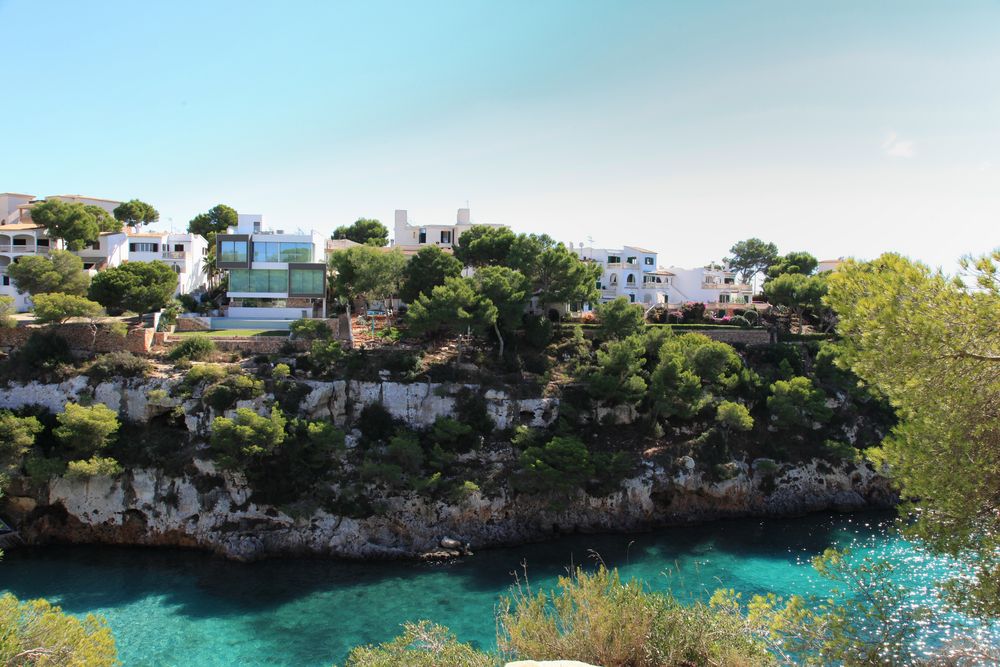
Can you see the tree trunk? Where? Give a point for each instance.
(496, 330)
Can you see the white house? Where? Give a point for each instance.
(273, 275)
(716, 287)
(19, 236)
(411, 237)
(631, 272)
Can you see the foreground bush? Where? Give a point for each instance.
(37, 633)
(422, 644)
(194, 348)
(118, 364)
(596, 618)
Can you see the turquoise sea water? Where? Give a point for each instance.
(173, 607)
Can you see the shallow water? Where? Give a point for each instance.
(174, 607)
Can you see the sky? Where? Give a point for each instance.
(840, 128)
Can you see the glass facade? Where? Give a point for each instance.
(258, 280)
(307, 281)
(233, 251)
(282, 252)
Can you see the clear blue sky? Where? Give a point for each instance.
(841, 128)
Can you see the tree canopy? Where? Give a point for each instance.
(37, 633)
(793, 262)
(366, 272)
(750, 257)
(932, 346)
(798, 292)
(453, 307)
(84, 430)
(60, 271)
(620, 318)
(426, 270)
(76, 224)
(484, 245)
(366, 231)
(216, 220)
(135, 213)
(58, 308)
(140, 287)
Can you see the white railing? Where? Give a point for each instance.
(24, 249)
(176, 254)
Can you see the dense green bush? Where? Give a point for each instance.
(195, 348)
(95, 466)
(452, 435)
(41, 469)
(598, 619)
(232, 388)
(118, 364)
(617, 377)
(323, 354)
(376, 423)
(739, 321)
(17, 435)
(797, 403)
(38, 633)
(619, 319)
(537, 331)
(422, 644)
(246, 439)
(560, 467)
(41, 357)
(310, 329)
(85, 430)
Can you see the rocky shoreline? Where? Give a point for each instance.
(210, 509)
(213, 511)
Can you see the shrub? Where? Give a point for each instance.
(693, 313)
(324, 354)
(405, 451)
(41, 469)
(118, 364)
(38, 633)
(471, 409)
(422, 644)
(43, 351)
(195, 348)
(95, 466)
(733, 416)
(740, 321)
(560, 467)
(537, 331)
(452, 435)
(85, 430)
(376, 423)
(7, 320)
(202, 373)
(617, 377)
(233, 388)
(619, 319)
(310, 329)
(17, 435)
(140, 287)
(281, 371)
(402, 362)
(797, 403)
(598, 619)
(247, 438)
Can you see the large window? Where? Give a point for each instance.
(234, 252)
(258, 280)
(143, 247)
(307, 281)
(271, 251)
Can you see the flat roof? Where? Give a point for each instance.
(16, 194)
(110, 201)
(17, 226)
(635, 247)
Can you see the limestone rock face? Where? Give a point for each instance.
(214, 510)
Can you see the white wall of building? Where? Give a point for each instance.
(408, 235)
(631, 272)
(718, 289)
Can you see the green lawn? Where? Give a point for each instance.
(232, 333)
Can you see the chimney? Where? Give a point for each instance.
(463, 216)
(401, 217)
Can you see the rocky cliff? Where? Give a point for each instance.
(214, 510)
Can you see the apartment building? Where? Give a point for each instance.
(408, 236)
(631, 272)
(715, 286)
(20, 236)
(273, 275)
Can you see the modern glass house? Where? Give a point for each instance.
(272, 275)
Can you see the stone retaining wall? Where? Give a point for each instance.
(81, 338)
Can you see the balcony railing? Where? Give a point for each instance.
(175, 254)
(715, 285)
(25, 249)
(655, 286)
